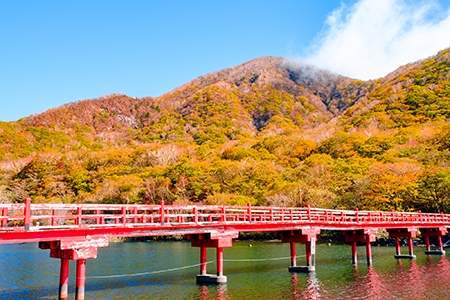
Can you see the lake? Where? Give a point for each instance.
(28, 273)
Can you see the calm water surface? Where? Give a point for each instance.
(28, 273)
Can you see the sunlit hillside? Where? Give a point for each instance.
(269, 131)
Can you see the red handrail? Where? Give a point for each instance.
(60, 216)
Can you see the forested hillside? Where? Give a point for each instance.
(269, 131)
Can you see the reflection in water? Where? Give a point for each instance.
(203, 292)
(221, 292)
(414, 275)
(294, 286)
(373, 284)
(408, 280)
(312, 290)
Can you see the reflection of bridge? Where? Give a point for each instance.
(75, 231)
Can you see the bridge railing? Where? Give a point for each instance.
(59, 216)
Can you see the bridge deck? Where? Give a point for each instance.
(44, 222)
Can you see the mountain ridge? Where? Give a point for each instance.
(238, 73)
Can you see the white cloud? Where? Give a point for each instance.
(373, 37)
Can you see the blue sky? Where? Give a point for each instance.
(54, 52)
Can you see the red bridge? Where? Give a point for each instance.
(75, 231)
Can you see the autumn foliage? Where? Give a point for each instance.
(262, 133)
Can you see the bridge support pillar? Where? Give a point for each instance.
(308, 236)
(437, 234)
(219, 261)
(78, 250)
(426, 239)
(354, 254)
(365, 237)
(80, 279)
(203, 250)
(368, 251)
(409, 234)
(293, 248)
(64, 279)
(218, 240)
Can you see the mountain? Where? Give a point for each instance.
(269, 131)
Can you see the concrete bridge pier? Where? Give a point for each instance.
(307, 236)
(436, 233)
(78, 251)
(409, 234)
(217, 240)
(353, 237)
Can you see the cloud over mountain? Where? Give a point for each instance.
(371, 38)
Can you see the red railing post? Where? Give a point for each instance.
(249, 212)
(5, 217)
(53, 221)
(135, 211)
(195, 213)
(161, 212)
(357, 215)
(124, 215)
(222, 214)
(27, 214)
(78, 218)
(98, 219)
(271, 213)
(308, 213)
